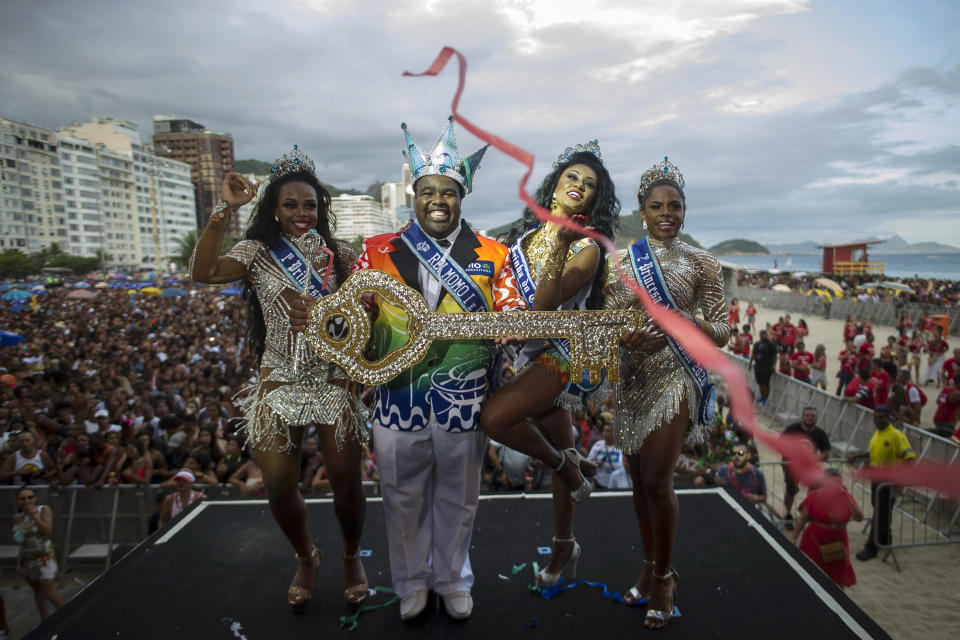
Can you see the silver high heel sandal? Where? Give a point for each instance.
(582, 492)
(545, 579)
(661, 618)
(635, 597)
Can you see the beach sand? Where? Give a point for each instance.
(923, 599)
(829, 333)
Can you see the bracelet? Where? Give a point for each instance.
(217, 216)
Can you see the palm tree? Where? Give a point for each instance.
(185, 245)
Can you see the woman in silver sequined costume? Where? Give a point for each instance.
(567, 272)
(657, 399)
(294, 388)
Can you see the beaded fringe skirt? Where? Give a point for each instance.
(649, 394)
(276, 403)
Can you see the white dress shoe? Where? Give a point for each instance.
(459, 605)
(413, 604)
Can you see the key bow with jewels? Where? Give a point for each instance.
(593, 335)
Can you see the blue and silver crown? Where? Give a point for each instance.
(591, 146)
(442, 159)
(295, 160)
(665, 170)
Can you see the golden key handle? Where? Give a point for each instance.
(594, 335)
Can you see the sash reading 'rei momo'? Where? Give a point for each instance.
(527, 285)
(295, 266)
(646, 270)
(454, 279)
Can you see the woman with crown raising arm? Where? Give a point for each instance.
(664, 397)
(556, 269)
(288, 249)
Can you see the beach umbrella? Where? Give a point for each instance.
(232, 291)
(15, 294)
(8, 338)
(81, 294)
(781, 287)
(869, 286)
(38, 289)
(827, 283)
(821, 293)
(896, 286)
(173, 292)
(83, 284)
(151, 291)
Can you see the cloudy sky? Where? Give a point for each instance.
(791, 119)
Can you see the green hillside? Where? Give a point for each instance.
(739, 246)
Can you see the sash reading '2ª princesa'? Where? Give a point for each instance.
(646, 270)
(454, 279)
(296, 268)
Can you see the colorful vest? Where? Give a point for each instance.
(451, 381)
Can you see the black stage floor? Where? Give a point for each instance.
(226, 561)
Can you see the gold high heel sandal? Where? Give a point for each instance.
(357, 593)
(297, 596)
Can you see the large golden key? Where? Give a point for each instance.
(593, 335)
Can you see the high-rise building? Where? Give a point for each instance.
(146, 203)
(81, 193)
(210, 156)
(32, 211)
(360, 216)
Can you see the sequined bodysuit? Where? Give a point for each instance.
(653, 383)
(294, 387)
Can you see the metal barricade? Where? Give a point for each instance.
(878, 313)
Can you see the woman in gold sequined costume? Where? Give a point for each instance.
(565, 271)
(658, 400)
(289, 230)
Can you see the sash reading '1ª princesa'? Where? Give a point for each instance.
(646, 270)
(296, 267)
(454, 279)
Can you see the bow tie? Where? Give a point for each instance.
(443, 244)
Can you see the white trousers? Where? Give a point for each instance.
(430, 480)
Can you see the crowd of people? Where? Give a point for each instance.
(933, 291)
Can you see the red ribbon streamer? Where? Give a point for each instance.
(803, 464)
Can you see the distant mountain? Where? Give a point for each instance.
(739, 247)
(892, 245)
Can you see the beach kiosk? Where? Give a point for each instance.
(849, 258)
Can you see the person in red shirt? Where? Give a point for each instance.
(881, 383)
(950, 368)
(734, 344)
(776, 331)
(733, 316)
(867, 329)
(850, 329)
(802, 329)
(788, 333)
(948, 408)
(751, 315)
(745, 341)
(861, 390)
(866, 352)
(936, 349)
(848, 366)
(800, 362)
(783, 361)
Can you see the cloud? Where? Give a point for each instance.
(786, 116)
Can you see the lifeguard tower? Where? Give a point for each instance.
(849, 258)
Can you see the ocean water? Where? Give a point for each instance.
(901, 265)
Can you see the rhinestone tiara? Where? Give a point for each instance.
(665, 170)
(295, 160)
(591, 146)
